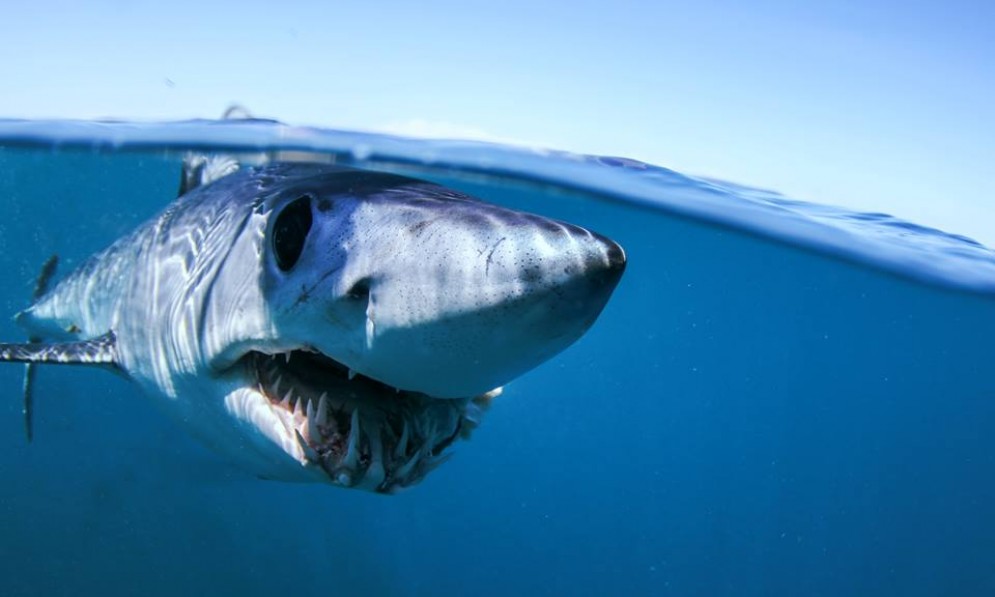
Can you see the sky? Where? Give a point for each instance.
(875, 105)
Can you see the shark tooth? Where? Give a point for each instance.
(352, 374)
(301, 407)
(408, 466)
(375, 473)
(276, 385)
(286, 357)
(288, 398)
(308, 450)
(323, 409)
(312, 423)
(352, 453)
(402, 444)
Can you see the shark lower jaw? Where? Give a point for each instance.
(360, 432)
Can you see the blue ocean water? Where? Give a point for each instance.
(780, 399)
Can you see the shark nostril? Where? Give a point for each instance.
(360, 290)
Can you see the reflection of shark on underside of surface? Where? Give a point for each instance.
(315, 322)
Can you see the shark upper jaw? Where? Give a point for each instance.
(345, 428)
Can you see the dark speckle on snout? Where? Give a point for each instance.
(418, 228)
(532, 273)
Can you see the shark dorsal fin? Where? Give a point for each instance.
(201, 169)
(101, 350)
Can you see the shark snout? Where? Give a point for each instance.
(570, 304)
(455, 297)
(605, 274)
(614, 253)
(582, 251)
(592, 260)
(609, 271)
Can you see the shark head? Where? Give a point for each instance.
(379, 314)
(425, 289)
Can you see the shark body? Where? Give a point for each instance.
(320, 323)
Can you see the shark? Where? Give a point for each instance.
(320, 323)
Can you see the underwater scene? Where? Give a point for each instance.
(779, 398)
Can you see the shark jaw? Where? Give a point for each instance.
(348, 429)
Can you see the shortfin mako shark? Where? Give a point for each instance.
(320, 323)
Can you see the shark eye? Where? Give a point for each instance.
(290, 232)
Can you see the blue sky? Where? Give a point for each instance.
(878, 105)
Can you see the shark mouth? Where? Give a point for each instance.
(360, 432)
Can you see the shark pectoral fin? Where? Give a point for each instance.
(30, 372)
(101, 350)
(41, 287)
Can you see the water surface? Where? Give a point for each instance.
(781, 398)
